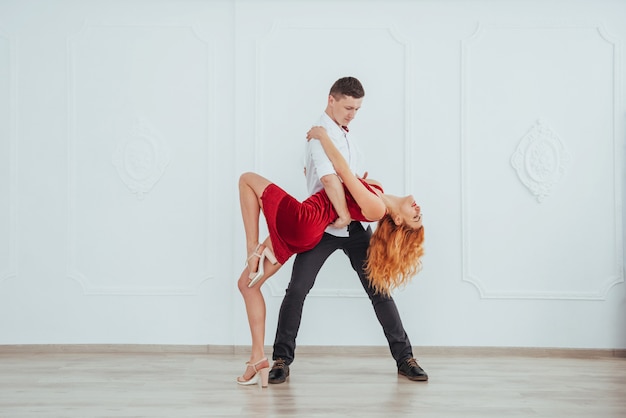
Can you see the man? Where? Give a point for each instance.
(344, 101)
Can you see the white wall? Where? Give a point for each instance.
(124, 127)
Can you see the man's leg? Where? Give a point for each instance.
(305, 268)
(385, 308)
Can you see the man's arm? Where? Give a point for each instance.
(336, 193)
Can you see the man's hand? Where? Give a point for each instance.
(341, 222)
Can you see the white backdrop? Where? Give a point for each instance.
(124, 127)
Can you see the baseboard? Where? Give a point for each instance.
(419, 352)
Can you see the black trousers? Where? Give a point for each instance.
(305, 268)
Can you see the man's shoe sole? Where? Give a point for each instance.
(414, 379)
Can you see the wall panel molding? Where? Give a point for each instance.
(491, 284)
(138, 155)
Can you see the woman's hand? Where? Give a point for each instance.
(316, 132)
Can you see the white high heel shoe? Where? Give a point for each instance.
(254, 254)
(261, 370)
(257, 275)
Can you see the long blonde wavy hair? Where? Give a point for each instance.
(394, 254)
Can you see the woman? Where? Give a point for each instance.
(393, 256)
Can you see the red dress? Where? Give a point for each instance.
(296, 227)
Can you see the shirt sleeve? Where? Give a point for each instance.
(320, 161)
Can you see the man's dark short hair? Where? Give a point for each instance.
(347, 86)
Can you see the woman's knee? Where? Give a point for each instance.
(242, 284)
(244, 178)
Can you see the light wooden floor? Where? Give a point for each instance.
(152, 384)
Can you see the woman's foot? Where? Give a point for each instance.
(253, 371)
(258, 275)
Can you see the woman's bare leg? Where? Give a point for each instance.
(255, 309)
(251, 187)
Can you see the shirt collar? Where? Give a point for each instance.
(331, 126)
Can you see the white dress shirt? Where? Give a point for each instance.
(318, 165)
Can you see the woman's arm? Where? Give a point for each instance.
(372, 182)
(372, 207)
(336, 193)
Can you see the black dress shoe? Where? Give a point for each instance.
(408, 368)
(279, 372)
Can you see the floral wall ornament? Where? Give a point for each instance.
(141, 159)
(540, 160)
